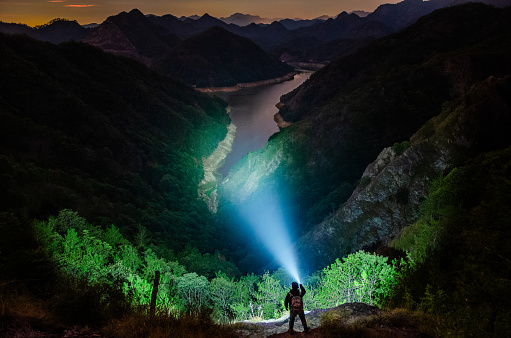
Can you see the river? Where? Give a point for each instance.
(252, 111)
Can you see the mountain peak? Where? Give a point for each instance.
(343, 14)
(135, 11)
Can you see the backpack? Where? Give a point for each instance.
(296, 304)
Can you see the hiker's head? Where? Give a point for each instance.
(294, 285)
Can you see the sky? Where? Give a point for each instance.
(37, 12)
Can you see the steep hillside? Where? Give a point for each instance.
(406, 12)
(393, 187)
(461, 244)
(346, 113)
(132, 35)
(106, 137)
(218, 58)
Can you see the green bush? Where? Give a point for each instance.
(359, 277)
(400, 148)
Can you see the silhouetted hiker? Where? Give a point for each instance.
(294, 302)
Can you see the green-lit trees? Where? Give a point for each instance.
(193, 290)
(360, 277)
(222, 291)
(243, 305)
(270, 296)
(104, 258)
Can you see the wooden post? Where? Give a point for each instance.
(152, 308)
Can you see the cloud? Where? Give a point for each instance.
(80, 6)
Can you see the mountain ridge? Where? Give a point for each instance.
(219, 58)
(350, 110)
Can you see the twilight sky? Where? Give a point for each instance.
(36, 12)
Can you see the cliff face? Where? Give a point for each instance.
(393, 186)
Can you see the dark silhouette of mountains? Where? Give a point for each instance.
(142, 38)
(56, 31)
(188, 27)
(219, 58)
(407, 12)
(134, 35)
(299, 41)
(212, 58)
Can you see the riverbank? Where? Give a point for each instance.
(287, 77)
(279, 120)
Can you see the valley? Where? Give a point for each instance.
(156, 147)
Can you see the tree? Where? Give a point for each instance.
(360, 277)
(193, 290)
(222, 292)
(270, 296)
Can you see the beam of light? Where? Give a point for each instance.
(266, 218)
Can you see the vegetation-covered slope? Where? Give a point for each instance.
(133, 35)
(106, 137)
(394, 185)
(218, 58)
(461, 244)
(346, 113)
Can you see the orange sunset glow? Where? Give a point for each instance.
(35, 12)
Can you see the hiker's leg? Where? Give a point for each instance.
(304, 322)
(292, 317)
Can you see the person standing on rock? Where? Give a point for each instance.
(294, 302)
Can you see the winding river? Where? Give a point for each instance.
(252, 111)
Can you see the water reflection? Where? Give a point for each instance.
(252, 111)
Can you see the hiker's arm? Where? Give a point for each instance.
(286, 301)
(303, 290)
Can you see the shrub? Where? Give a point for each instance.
(360, 277)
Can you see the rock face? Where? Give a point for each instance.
(393, 186)
(207, 188)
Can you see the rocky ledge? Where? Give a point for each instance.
(348, 314)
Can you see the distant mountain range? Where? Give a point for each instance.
(212, 57)
(153, 39)
(55, 31)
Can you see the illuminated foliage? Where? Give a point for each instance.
(461, 246)
(360, 277)
(194, 292)
(105, 257)
(270, 296)
(222, 292)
